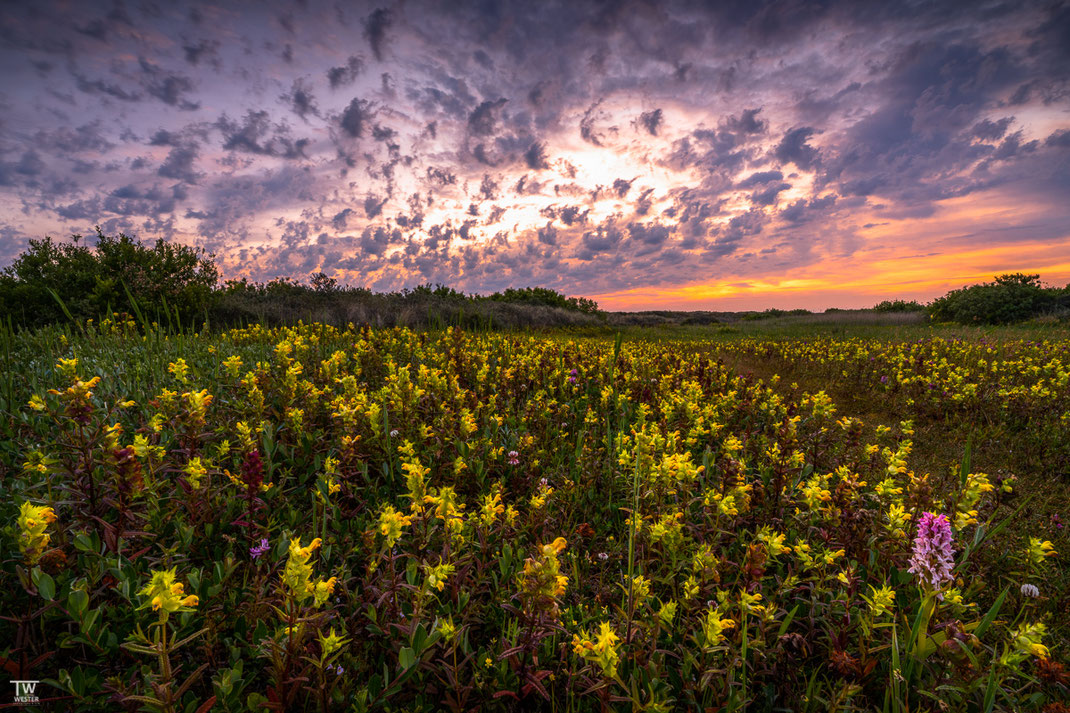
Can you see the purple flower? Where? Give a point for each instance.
(514, 458)
(933, 554)
(257, 550)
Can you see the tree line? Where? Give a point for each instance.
(164, 281)
(169, 282)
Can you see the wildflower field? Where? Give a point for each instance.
(312, 518)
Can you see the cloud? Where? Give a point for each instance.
(651, 121)
(168, 87)
(535, 157)
(22, 172)
(587, 129)
(760, 177)
(300, 99)
(747, 122)
(179, 164)
(97, 29)
(355, 117)
(100, 86)
(987, 130)
(65, 141)
(793, 148)
(345, 74)
(257, 135)
(621, 187)
(650, 233)
(375, 27)
(203, 49)
(1060, 138)
(588, 146)
(482, 121)
(768, 195)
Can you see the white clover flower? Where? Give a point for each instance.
(1030, 590)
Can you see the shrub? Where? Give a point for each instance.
(546, 297)
(774, 312)
(1011, 298)
(91, 281)
(898, 306)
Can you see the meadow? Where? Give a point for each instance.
(785, 515)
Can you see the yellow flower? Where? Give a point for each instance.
(444, 504)
(898, 518)
(165, 595)
(667, 613)
(640, 588)
(179, 368)
(600, 650)
(232, 365)
(67, 367)
(195, 470)
(714, 626)
(749, 602)
(32, 522)
(391, 523)
(1037, 552)
(1026, 642)
(555, 548)
(323, 590)
(447, 629)
(297, 575)
(774, 542)
(541, 577)
(438, 574)
(197, 402)
(880, 600)
(726, 504)
(491, 509)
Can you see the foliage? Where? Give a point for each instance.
(1013, 386)
(1010, 298)
(774, 312)
(898, 306)
(177, 285)
(546, 297)
(358, 519)
(93, 281)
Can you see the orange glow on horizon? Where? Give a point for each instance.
(839, 284)
(941, 254)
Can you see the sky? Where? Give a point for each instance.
(650, 155)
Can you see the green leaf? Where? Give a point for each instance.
(83, 543)
(787, 621)
(406, 658)
(964, 468)
(78, 602)
(46, 586)
(991, 615)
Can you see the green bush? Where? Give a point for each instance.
(774, 312)
(546, 297)
(55, 282)
(1011, 298)
(898, 306)
(94, 281)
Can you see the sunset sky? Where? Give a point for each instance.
(722, 155)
